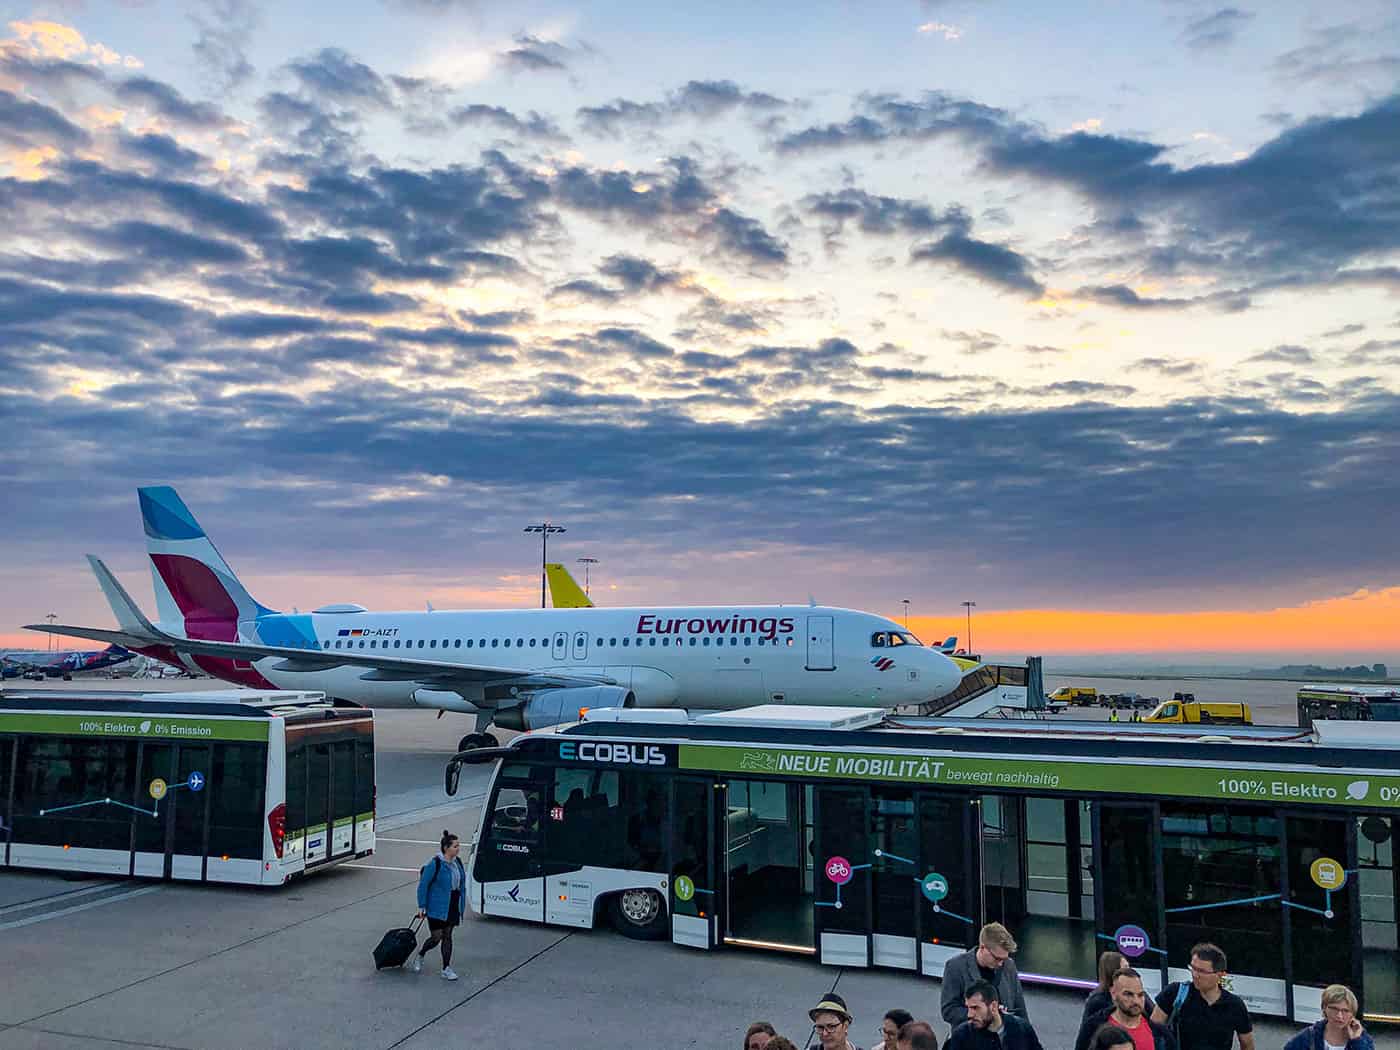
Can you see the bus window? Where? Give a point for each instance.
(7, 747)
(318, 793)
(157, 762)
(236, 800)
(56, 771)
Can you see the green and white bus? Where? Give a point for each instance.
(226, 786)
(866, 841)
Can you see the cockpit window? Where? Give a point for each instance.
(888, 639)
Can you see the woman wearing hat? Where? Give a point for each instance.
(832, 1023)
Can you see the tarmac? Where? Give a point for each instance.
(107, 963)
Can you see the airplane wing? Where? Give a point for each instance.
(137, 632)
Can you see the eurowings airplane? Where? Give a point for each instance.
(519, 669)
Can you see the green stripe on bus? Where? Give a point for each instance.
(1239, 783)
(156, 727)
(315, 828)
(364, 816)
(344, 822)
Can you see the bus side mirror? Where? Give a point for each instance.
(452, 777)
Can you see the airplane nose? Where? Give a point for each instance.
(947, 674)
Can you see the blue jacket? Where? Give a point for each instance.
(435, 887)
(1310, 1038)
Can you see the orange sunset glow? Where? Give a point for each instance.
(1366, 622)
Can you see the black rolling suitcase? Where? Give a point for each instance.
(396, 946)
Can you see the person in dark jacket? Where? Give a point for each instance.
(1129, 1003)
(988, 1027)
(990, 961)
(1338, 1027)
(1101, 998)
(441, 885)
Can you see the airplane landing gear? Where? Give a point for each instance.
(476, 741)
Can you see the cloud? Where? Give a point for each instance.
(696, 99)
(532, 124)
(1216, 31)
(533, 55)
(1290, 355)
(944, 29)
(24, 122)
(221, 49)
(994, 264)
(165, 100)
(336, 76)
(1301, 208)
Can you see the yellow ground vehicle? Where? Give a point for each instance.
(1075, 696)
(1205, 713)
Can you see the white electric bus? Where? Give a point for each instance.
(865, 840)
(227, 786)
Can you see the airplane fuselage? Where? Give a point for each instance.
(692, 657)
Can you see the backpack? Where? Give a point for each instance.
(1174, 1019)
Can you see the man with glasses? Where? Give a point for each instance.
(832, 1023)
(990, 961)
(1201, 1013)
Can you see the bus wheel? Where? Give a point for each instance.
(640, 914)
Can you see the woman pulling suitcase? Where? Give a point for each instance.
(440, 889)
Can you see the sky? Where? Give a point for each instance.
(1089, 314)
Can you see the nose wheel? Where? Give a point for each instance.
(477, 741)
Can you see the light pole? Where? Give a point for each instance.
(587, 564)
(906, 612)
(969, 606)
(544, 528)
(51, 617)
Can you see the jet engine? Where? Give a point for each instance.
(551, 707)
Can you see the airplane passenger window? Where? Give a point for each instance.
(692, 640)
(789, 641)
(748, 641)
(653, 641)
(612, 641)
(495, 642)
(396, 643)
(371, 643)
(624, 643)
(469, 643)
(337, 643)
(326, 644)
(597, 645)
(532, 643)
(482, 643)
(420, 643)
(666, 640)
(432, 644)
(707, 640)
(520, 643)
(362, 644)
(507, 643)
(457, 644)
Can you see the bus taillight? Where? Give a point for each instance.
(277, 824)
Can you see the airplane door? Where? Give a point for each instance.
(820, 651)
(580, 645)
(561, 645)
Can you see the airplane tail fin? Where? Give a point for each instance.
(564, 589)
(949, 645)
(197, 594)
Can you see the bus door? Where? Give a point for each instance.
(1129, 913)
(342, 800)
(1319, 931)
(187, 802)
(845, 855)
(695, 896)
(948, 877)
(318, 801)
(7, 766)
(768, 861)
(152, 826)
(509, 864)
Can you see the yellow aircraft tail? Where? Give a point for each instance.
(564, 589)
